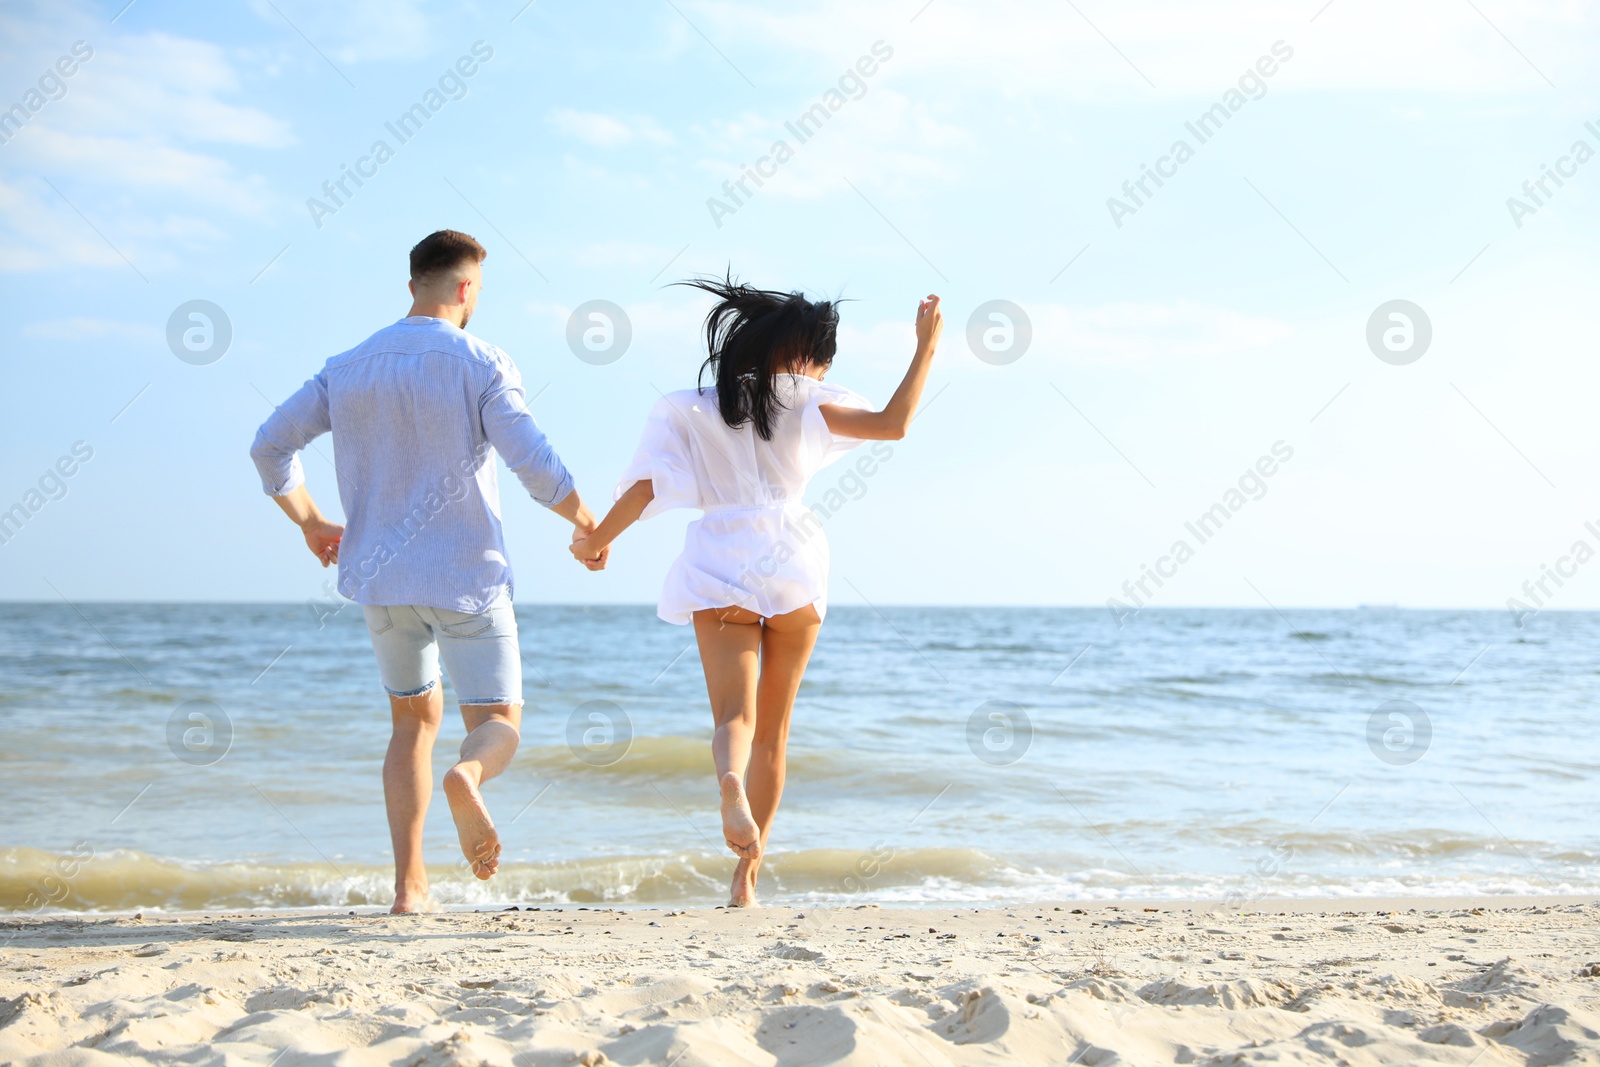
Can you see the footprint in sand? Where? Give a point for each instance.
(480, 844)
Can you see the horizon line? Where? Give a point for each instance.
(835, 605)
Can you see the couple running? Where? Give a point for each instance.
(418, 412)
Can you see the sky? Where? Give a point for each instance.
(1219, 343)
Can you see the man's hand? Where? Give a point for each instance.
(586, 553)
(323, 537)
(591, 544)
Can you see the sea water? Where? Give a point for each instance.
(210, 756)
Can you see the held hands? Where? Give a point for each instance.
(572, 508)
(323, 537)
(591, 543)
(930, 323)
(585, 551)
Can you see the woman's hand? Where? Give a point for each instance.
(894, 420)
(586, 551)
(591, 546)
(930, 323)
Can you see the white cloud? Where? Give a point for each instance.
(1130, 331)
(1184, 48)
(655, 323)
(148, 165)
(157, 84)
(42, 231)
(607, 131)
(136, 86)
(146, 115)
(623, 254)
(883, 138)
(1107, 334)
(354, 31)
(87, 329)
(1102, 335)
(39, 232)
(880, 346)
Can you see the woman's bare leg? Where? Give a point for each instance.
(786, 644)
(730, 644)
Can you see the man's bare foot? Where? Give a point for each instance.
(743, 893)
(739, 827)
(480, 844)
(422, 904)
(412, 895)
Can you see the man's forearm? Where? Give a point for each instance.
(574, 510)
(298, 505)
(322, 536)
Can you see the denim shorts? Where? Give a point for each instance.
(480, 651)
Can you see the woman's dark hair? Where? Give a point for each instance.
(754, 334)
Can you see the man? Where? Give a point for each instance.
(418, 412)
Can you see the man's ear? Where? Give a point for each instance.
(462, 287)
(411, 287)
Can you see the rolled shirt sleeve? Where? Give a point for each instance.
(664, 457)
(292, 425)
(510, 428)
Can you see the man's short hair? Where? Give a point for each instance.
(442, 252)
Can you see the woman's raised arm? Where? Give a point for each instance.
(891, 423)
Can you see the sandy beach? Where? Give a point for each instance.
(1491, 981)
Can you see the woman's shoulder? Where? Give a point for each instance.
(815, 391)
(688, 399)
(685, 405)
(805, 387)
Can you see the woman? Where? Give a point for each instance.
(753, 576)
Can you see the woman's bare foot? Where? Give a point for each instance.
(743, 893)
(739, 827)
(480, 844)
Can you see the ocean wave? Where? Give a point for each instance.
(32, 880)
(644, 757)
(1009, 648)
(37, 882)
(1348, 678)
(648, 760)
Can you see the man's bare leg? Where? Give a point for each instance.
(493, 733)
(407, 788)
